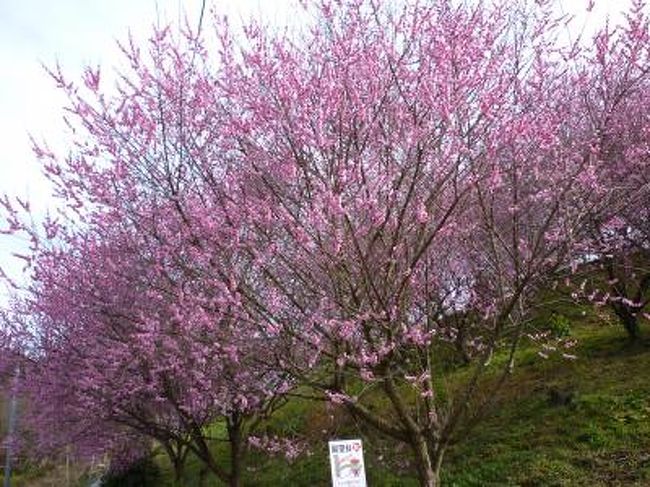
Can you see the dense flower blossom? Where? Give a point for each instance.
(347, 204)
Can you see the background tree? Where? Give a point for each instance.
(123, 347)
(616, 116)
(131, 293)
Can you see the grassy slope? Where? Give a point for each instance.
(601, 438)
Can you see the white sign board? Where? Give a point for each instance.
(346, 460)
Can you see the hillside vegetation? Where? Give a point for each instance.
(555, 422)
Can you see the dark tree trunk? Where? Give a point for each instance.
(626, 312)
(234, 424)
(203, 473)
(177, 453)
(179, 471)
(202, 451)
(629, 320)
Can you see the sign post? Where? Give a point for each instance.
(346, 461)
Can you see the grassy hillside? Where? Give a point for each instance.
(596, 433)
(555, 422)
(601, 437)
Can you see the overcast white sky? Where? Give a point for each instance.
(80, 32)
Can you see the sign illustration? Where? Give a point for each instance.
(346, 461)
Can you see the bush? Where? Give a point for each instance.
(560, 326)
(143, 473)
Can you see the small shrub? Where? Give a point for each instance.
(560, 326)
(143, 473)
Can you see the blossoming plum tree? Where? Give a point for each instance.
(616, 111)
(402, 165)
(132, 315)
(344, 204)
(120, 352)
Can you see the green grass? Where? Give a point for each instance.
(601, 438)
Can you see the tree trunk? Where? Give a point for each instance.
(177, 453)
(437, 463)
(202, 451)
(627, 314)
(631, 325)
(178, 471)
(629, 320)
(203, 473)
(234, 425)
(235, 469)
(428, 464)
